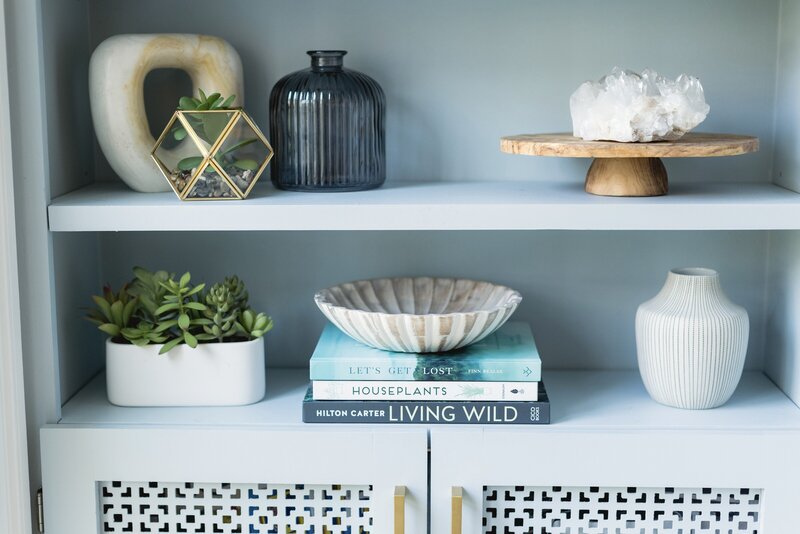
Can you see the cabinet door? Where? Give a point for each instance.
(233, 480)
(545, 480)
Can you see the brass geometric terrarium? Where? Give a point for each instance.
(212, 154)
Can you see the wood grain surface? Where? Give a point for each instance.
(627, 177)
(691, 145)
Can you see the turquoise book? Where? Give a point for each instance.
(508, 355)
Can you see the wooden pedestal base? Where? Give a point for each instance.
(627, 177)
(628, 169)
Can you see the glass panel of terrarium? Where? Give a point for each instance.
(210, 185)
(178, 156)
(207, 126)
(243, 154)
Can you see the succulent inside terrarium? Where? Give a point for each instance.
(208, 120)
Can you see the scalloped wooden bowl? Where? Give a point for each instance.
(420, 314)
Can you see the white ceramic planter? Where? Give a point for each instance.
(691, 341)
(213, 374)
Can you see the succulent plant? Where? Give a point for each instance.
(209, 126)
(113, 312)
(147, 287)
(211, 102)
(176, 315)
(143, 334)
(254, 325)
(222, 310)
(157, 308)
(237, 291)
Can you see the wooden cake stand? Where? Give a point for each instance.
(629, 169)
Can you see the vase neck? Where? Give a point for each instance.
(693, 281)
(327, 60)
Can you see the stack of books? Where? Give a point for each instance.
(494, 381)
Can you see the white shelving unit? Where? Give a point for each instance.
(457, 78)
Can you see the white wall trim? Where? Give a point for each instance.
(15, 512)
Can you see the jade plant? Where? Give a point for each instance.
(158, 308)
(209, 126)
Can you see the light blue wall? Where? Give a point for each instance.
(580, 289)
(459, 74)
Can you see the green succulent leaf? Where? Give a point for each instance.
(187, 164)
(169, 306)
(239, 145)
(102, 305)
(202, 94)
(116, 312)
(248, 319)
(110, 329)
(166, 325)
(169, 345)
(228, 101)
(180, 134)
(128, 310)
(190, 340)
(97, 321)
(183, 321)
(214, 124)
(263, 323)
(187, 103)
(129, 333)
(246, 164)
(185, 279)
(196, 289)
(195, 306)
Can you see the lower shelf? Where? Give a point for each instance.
(581, 400)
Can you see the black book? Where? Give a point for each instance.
(429, 412)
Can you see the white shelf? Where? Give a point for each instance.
(580, 400)
(435, 206)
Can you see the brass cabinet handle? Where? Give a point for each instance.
(457, 501)
(399, 510)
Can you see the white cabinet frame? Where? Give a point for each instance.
(15, 506)
(472, 458)
(75, 458)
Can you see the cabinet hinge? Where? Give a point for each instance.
(40, 509)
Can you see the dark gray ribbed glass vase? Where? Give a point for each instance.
(327, 128)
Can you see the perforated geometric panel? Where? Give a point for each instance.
(142, 507)
(603, 510)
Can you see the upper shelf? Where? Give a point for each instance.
(581, 400)
(435, 206)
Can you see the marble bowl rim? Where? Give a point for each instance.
(515, 297)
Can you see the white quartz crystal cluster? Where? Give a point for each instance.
(630, 107)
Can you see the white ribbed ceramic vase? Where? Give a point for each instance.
(691, 341)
